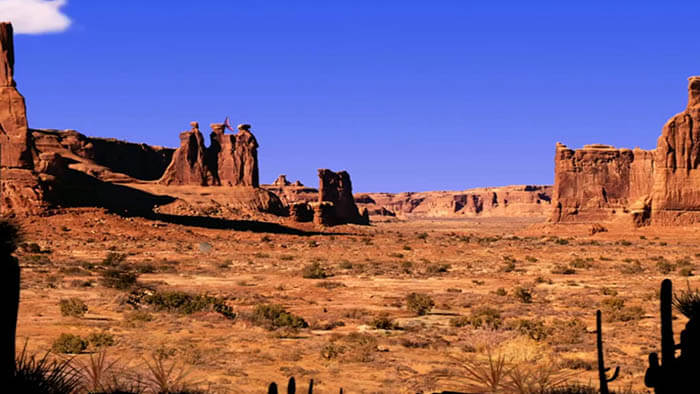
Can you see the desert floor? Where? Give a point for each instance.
(532, 288)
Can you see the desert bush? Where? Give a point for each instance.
(685, 271)
(69, 344)
(330, 285)
(100, 339)
(274, 316)
(569, 332)
(383, 322)
(531, 259)
(533, 328)
(419, 303)
(633, 267)
(314, 271)
(118, 278)
(486, 317)
(73, 307)
(432, 269)
(114, 259)
(664, 266)
(332, 351)
(581, 263)
(523, 294)
(614, 309)
(562, 269)
(186, 303)
(501, 292)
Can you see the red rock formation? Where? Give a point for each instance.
(231, 160)
(281, 181)
(107, 159)
(14, 132)
(189, 165)
(246, 158)
(22, 190)
(336, 188)
(301, 212)
(676, 196)
(599, 182)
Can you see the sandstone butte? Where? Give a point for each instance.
(660, 187)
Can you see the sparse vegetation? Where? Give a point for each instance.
(73, 307)
(314, 271)
(419, 303)
(273, 316)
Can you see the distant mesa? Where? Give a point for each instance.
(661, 186)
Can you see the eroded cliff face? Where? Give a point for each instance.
(507, 201)
(676, 196)
(598, 182)
(22, 189)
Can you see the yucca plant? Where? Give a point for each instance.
(169, 378)
(527, 378)
(43, 375)
(482, 377)
(687, 302)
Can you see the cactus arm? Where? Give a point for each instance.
(292, 386)
(668, 346)
(272, 389)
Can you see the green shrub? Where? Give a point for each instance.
(486, 317)
(664, 266)
(523, 294)
(419, 303)
(120, 279)
(614, 309)
(685, 271)
(114, 259)
(314, 271)
(69, 344)
(274, 316)
(562, 270)
(100, 339)
(74, 307)
(535, 329)
(383, 322)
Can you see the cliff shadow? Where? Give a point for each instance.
(77, 189)
(229, 224)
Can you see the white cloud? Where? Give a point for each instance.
(34, 16)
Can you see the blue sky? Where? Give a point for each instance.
(405, 95)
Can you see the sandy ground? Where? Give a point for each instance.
(463, 265)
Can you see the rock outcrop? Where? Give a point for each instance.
(676, 191)
(189, 165)
(599, 182)
(22, 190)
(106, 159)
(231, 160)
(660, 187)
(336, 188)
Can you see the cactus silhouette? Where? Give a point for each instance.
(292, 387)
(602, 370)
(676, 374)
(9, 285)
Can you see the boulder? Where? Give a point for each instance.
(676, 190)
(336, 188)
(301, 212)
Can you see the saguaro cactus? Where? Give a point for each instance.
(9, 291)
(604, 380)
